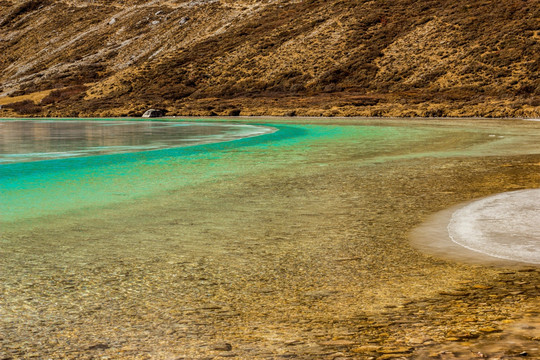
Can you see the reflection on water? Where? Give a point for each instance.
(24, 140)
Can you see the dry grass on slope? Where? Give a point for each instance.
(341, 57)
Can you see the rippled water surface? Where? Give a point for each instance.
(94, 163)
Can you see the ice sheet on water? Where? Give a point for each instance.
(34, 140)
(505, 226)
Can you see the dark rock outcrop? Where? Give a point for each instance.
(153, 113)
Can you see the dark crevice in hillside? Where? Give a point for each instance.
(22, 9)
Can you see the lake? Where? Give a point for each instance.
(291, 242)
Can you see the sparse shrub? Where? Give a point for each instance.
(368, 101)
(17, 93)
(62, 94)
(535, 101)
(409, 114)
(330, 88)
(434, 113)
(25, 107)
(526, 89)
(333, 76)
(178, 91)
(297, 88)
(291, 113)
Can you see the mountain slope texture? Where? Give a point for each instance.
(270, 57)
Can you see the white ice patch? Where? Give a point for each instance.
(505, 226)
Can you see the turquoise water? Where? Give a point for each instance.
(49, 187)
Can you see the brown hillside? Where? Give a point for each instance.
(271, 57)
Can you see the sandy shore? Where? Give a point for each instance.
(311, 261)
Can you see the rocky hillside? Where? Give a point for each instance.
(270, 57)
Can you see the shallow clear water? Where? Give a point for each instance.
(106, 162)
(37, 188)
(164, 252)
